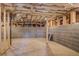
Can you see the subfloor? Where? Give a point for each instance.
(38, 47)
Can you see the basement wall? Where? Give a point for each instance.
(27, 32)
(67, 35)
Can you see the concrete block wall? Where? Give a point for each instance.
(67, 35)
(27, 32)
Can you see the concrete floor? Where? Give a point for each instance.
(38, 47)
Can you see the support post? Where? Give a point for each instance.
(64, 20)
(46, 30)
(0, 22)
(73, 17)
(54, 24)
(51, 23)
(58, 21)
(8, 26)
(5, 25)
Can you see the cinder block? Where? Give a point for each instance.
(67, 35)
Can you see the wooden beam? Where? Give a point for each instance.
(35, 17)
(64, 20)
(42, 18)
(38, 17)
(5, 24)
(73, 17)
(33, 13)
(46, 30)
(8, 26)
(32, 17)
(0, 22)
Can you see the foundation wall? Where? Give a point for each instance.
(28, 32)
(67, 35)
